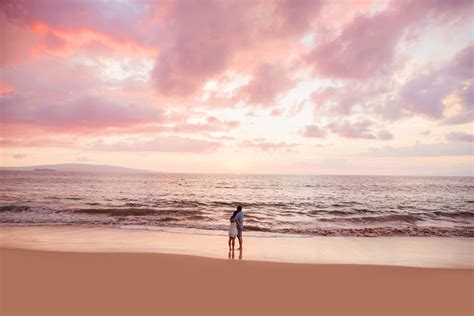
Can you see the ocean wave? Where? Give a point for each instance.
(176, 222)
(341, 213)
(131, 204)
(458, 214)
(414, 231)
(14, 208)
(407, 218)
(254, 228)
(118, 211)
(467, 231)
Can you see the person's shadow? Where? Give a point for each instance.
(232, 254)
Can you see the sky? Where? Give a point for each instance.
(284, 87)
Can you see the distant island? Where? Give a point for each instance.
(78, 167)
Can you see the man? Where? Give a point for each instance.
(240, 225)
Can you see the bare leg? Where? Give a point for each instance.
(230, 238)
(241, 242)
(233, 243)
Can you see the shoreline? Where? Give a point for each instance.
(424, 252)
(110, 283)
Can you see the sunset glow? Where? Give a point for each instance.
(297, 87)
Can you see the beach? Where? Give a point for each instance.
(104, 272)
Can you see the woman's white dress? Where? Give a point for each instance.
(233, 229)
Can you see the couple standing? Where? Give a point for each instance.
(236, 227)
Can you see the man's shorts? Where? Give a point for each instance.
(239, 231)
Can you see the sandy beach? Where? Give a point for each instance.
(67, 283)
(93, 271)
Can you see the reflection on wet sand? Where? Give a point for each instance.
(232, 254)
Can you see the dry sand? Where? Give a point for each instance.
(73, 283)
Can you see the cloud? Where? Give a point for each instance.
(268, 82)
(212, 124)
(264, 145)
(119, 20)
(424, 150)
(363, 48)
(340, 101)
(204, 37)
(346, 129)
(82, 113)
(19, 156)
(158, 144)
(276, 112)
(314, 131)
(425, 94)
(21, 42)
(384, 135)
(366, 46)
(460, 137)
(296, 109)
(35, 141)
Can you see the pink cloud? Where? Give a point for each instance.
(19, 156)
(358, 129)
(268, 82)
(82, 113)
(341, 100)
(54, 42)
(204, 37)
(294, 110)
(18, 43)
(37, 141)
(120, 20)
(297, 16)
(5, 90)
(159, 144)
(366, 46)
(424, 150)
(460, 137)
(212, 124)
(276, 112)
(384, 135)
(314, 131)
(54, 80)
(424, 94)
(346, 129)
(264, 145)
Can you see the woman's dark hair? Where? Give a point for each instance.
(239, 209)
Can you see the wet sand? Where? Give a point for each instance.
(75, 283)
(432, 252)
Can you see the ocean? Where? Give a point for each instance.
(274, 205)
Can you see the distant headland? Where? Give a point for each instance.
(77, 167)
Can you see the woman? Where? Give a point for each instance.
(233, 230)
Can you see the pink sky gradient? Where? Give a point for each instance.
(305, 87)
